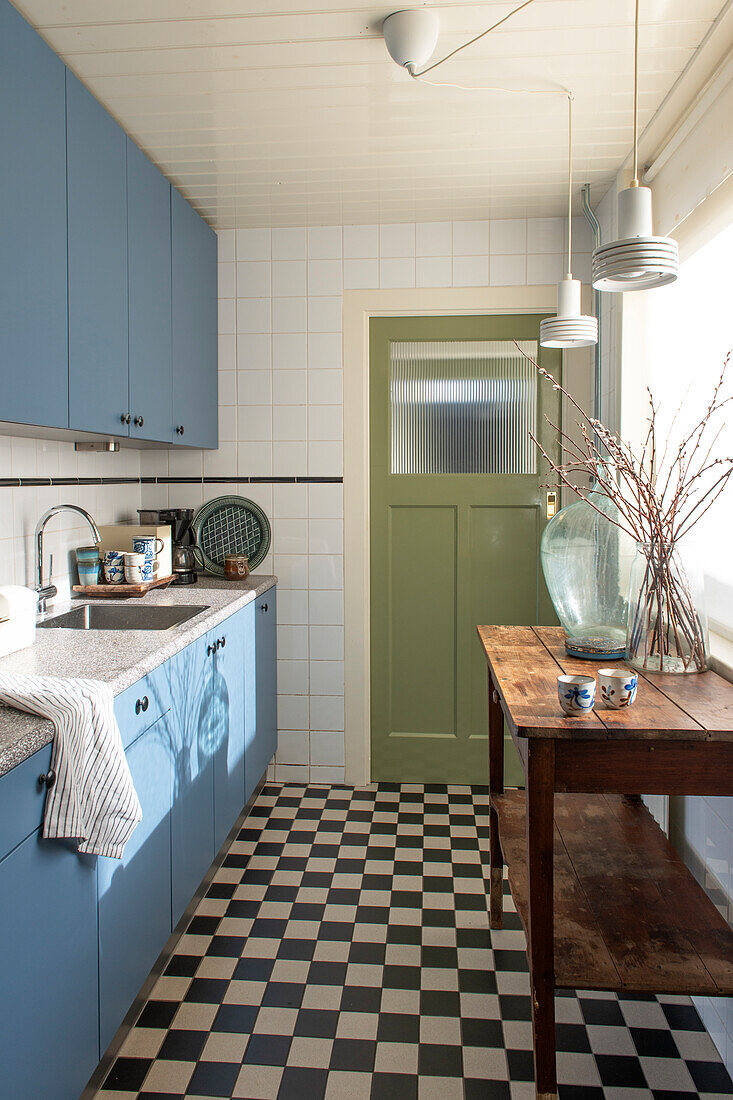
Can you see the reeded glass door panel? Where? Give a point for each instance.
(462, 407)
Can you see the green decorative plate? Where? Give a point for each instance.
(231, 525)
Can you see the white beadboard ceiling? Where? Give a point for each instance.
(282, 113)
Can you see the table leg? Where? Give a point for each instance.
(540, 827)
(496, 786)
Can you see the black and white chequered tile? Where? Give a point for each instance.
(343, 952)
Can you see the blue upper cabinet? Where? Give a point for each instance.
(33, 334)
(195, 350)
(97, 227)
(149, 278)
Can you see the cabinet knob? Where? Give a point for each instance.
(125, 418)
(264, 607)
(222, 642)
(139, 421)
(210, 649)
(180, 429)
(47, 780)
(142, 704)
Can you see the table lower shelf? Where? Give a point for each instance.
(628, 914)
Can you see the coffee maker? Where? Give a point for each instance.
(186, 557)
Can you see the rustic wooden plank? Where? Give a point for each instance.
(628, 913)
(654, 714)
(526, 678)
(582, 959)
(706, 697)
(651, 766)
(662, 931)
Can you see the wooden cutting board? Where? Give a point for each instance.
(122, 591)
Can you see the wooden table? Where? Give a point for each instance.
(605, 901)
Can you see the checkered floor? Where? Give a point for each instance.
(343, 952)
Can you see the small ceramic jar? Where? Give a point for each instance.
(577, 694)
(617, 687)
(236, 567)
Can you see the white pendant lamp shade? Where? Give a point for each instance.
(411, 36)
(570, 329)
(637, 260)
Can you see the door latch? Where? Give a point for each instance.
(551, 504)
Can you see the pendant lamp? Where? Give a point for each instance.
(637, 260)
(569, 329)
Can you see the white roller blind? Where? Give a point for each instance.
(691, 169)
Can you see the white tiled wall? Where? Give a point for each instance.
(281, 414)
(20, 508)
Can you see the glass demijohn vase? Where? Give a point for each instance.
(667, 625)
(586, 560)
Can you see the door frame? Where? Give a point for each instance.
(359, 306)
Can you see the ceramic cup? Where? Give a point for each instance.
(577, 694)
(87, 561)
(138, 569)
(88, 572)
(147, 545)
(236, 566)
(114, 566)
(617, 687)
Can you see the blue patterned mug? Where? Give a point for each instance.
(577, 694)
(114, 566)
(147, 545)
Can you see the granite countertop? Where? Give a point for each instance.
(117, 657)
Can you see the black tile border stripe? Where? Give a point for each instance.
(239, 479)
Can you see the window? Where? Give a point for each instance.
(462, 407)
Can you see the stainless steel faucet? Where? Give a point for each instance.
(45, 592)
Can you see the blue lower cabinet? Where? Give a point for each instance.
(227, 723)
(262, 750)
(49, 1035)
(191, 688)
(135, 892)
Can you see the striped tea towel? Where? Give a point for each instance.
(93, 799)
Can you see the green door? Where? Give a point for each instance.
(457, 507)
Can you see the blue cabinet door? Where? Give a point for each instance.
(149, 281)
(49, 1037)
(228, 721)
(195, 323)
(97, 228)
(33, 334)
(265, 742)
(191, 691)
(135, 891)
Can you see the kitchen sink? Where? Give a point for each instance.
(93, 616)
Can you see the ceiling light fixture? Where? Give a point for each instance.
(570, 328)
(637, 260)
(411, 36)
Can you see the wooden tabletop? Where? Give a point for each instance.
(526, 661)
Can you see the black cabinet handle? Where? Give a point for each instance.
(47, 780)
(222, 642)
(146, 703)
(142, 704)
(210, 649)
(139, 421)
(125, 418)
(264, 607)
(180, 429)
